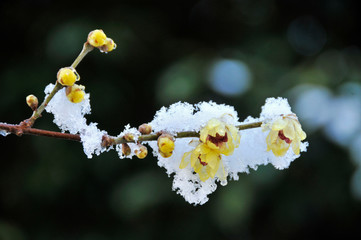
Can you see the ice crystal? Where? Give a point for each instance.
(68, 116)
(133, 146)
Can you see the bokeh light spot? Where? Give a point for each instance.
(230, 77)
(311, 114)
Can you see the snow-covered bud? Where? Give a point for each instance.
(145, 128)
(97, 38)
(32, 102)
(129, 137)
(141, 152)
(165, 145)
(126, 149)
(75, 93)
(108, 46)
(67, 76)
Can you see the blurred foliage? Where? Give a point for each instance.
(166, 53)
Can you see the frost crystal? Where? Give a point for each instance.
(132, 146)
(251, 153)
(186, 117)
(68, 116)
(3, 133)
(91, 137)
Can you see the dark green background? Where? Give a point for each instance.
(50, 190)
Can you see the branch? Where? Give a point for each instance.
(107, 140)
(20, 130)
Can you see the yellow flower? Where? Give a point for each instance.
(219, 136)
(32, 102)
(75, 93)
(108, 46)
(97, 38)
(142, 152)
(165, 145)
(216, 138)
(67, 76)
(284, 132)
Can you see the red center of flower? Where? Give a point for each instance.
(218, 139)
(201, 162)
(283, 137)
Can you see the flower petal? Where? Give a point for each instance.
(280, 148)
(212, 159)
(300, 133)
(279, 124)
(185, 160)
(289, 130)
(296, 146)
(221, 173)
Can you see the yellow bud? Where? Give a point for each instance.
(67, 76)
(166, 155)
(165, 145)
(145, 128)
(129, 137)
(97, 38)
(75, 93)
(108, 46)
(32, 102)
(126, 149)
(141, 152)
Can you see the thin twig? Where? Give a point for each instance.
(86, 49)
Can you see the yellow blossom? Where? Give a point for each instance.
(75, 93)
(142, 152)
(32, 102)
(108, 46)
(165, 145)
(284, 132)
(97, 38)
(216, 138)
(67, 76)
(219, 136)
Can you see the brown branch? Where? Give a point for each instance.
(107, 140)
(20, 130)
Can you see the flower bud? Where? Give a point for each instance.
(67, 76)
(126, 149)
(75, 93)
(165, 154)
(97, 38)
(165, 145)
(32, 102)
(129, 137)
(141, 152)
(108, 46)
(145, 128)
